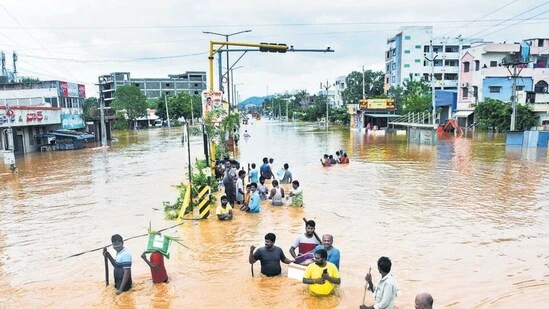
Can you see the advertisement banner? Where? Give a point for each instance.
(82, 91)
(72, 122)
(377, 104)
(67, 89)
(18, 117)
(212, 100)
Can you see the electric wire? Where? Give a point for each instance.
(512, 25)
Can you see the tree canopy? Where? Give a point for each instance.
(496, 115)
(130, 99)
(373, 80)
(180, 106)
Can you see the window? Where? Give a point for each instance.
(520, 88)
(418, 46)
(477, 65)
(451, 49)
(466, 67)
(437, 63)
(464, 93)
(406, 65)
(540, 43)
(425, 48)
(493, 64)
(407, 37)
(406, 51)
(451, 76)
(425, 63)
(475, 91)
(394, 66)
(494, 89)
(438, 76)
(416, 74)
(167, 84)
(451, 63)
(417, 61)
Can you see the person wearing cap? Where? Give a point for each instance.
(224, 211)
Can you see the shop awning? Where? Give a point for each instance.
(463, 114)
(383, 115)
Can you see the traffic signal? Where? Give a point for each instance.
(273, 50)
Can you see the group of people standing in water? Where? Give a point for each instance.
(340, 158)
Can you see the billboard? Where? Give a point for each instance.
(28, 116)
(72, 121)
(212, 100)
(67, 89)
(377, 104)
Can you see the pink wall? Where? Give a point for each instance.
(465, 77)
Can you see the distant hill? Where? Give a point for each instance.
(253, 101)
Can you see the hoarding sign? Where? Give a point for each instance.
(72, 121)
(377, 104)
(67, 89)
(212, 100)
(29, 117)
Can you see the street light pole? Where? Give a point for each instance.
(363, 84)
(228, 63)
(167, 112)
(102, 112)
(327, 86)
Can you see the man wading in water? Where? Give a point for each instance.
(122, 264)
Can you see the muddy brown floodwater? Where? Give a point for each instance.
(466, 220)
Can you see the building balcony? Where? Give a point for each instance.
(446, 83)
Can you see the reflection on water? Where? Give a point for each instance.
(466, 220)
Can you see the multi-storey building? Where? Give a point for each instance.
(340, 86)
(484, 75)
(33, 109)
(193, 82)
(406, 52)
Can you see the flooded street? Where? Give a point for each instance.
(466, 220)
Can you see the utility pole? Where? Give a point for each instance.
(514, 74)
(327, 86)
(167, 112)
(192, 113)
(102, 113)
(432, 62)
(363, 84)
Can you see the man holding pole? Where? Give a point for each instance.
(385, 292)
(122, 264)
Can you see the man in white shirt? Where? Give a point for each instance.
(385, 292)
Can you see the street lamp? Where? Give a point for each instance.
(231, 81)
(227, 35)
(235, 101)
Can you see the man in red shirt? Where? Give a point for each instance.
(158, 271)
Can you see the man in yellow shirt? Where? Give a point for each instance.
(224, 211)
(321, 275)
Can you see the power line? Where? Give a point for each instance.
(257, 25)
(512, 18)
(487, 14)
(487, 34)
(121, 61)
(35, 40)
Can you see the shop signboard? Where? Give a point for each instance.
(377, 104)
(25, 116)
(67, 89)
(72, 122)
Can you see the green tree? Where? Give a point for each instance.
(495, 115)
(90, 104)
(29, 80)
(132, 101)
(397, 94)
(373, 80)
(180, 106)
(416, 96)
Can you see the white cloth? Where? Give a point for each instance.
(385, 292)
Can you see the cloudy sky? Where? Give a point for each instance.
(78, 40)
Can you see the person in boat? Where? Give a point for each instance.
(327, 245)
(423, 301)
(296, 194)
(305, 242)
(385, 292)
(321, 276)
(325, 160)
(270, 257)
(255, 203)
(332, 160)
(276, 195)
(345, 159)
(287, 177)
(122, 264)
(224, 211)
(265, 170)
(262, 188)
(156, 264)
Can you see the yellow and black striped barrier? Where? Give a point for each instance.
(203, 202)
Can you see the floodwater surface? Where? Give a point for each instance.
(466, 220)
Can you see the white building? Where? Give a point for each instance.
(340, 86)
(406, 53)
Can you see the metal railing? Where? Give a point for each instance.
(417, 118)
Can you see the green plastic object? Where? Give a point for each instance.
(159, 243)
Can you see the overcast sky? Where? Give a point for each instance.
(78, 40)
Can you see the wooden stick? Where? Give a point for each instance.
(106, 271)
(318, 238)
(366, 288)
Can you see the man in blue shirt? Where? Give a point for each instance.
(265, 169)
(254, 204)
(333, 252)
(254, 174)
(122, 264)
